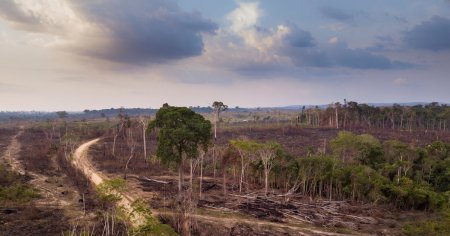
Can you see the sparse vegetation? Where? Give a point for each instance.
(14, 189)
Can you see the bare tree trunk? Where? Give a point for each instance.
(115, 138)
(180, 180)
(214, 161)
(337, 118)
(131, 145)
(330, 190)
(224, 182)
(242, 174)
(216, 118)
(201, 176)
(129, 159)
(144, 127)
(191, 172)
(266, 180)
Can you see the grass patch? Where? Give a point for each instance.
(14, 189)
(20, 193)
(438, 226)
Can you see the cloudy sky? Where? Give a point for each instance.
(92, 54)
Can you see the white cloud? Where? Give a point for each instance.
(245, 16)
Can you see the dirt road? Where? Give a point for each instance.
(12, 153)
(81, 162)
(46, 184)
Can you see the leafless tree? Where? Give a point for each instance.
(144, 124)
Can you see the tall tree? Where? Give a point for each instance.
(181, 132)
(144, 124)
(246, 149)
(267, 153)
(217, 108)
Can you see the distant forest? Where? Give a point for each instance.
(432, 116)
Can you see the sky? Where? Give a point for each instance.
(93, 54)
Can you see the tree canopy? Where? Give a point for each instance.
(181, 132)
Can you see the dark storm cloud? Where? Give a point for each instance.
(299, 38)
(135, 32)
(340, 55)
(433, 34)
(335, 13)
(145, 31)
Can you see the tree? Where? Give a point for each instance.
(217, 108)
(181, 132)
(246, 149)
(344, 146)
(144, 124)
(62, 114)
(131, 144)
(398, 152)
(337, 106)
(122, 120)
(267, 153)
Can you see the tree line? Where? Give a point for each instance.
(433, 116)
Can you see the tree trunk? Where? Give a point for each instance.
(201, 176)
(181, 177)
(214, 161)
(145, 142)
(216, 115)
(337, 118)
(114, 145)
(224, 182)
(266, 181)
(129, 159)
(242, 174)
(192, 173)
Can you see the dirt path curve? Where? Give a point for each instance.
(51, 194)
(12, 152)
(81, 161)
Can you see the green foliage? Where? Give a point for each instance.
(18, 193)
(363, 148)
(370, 151)
(152, 226)
(244, 145)
(440, 176)
(437, 227)
(344, 145)
(110, 190)
(363, 169)
(12, 189)
(181, 132)
(439, 149)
